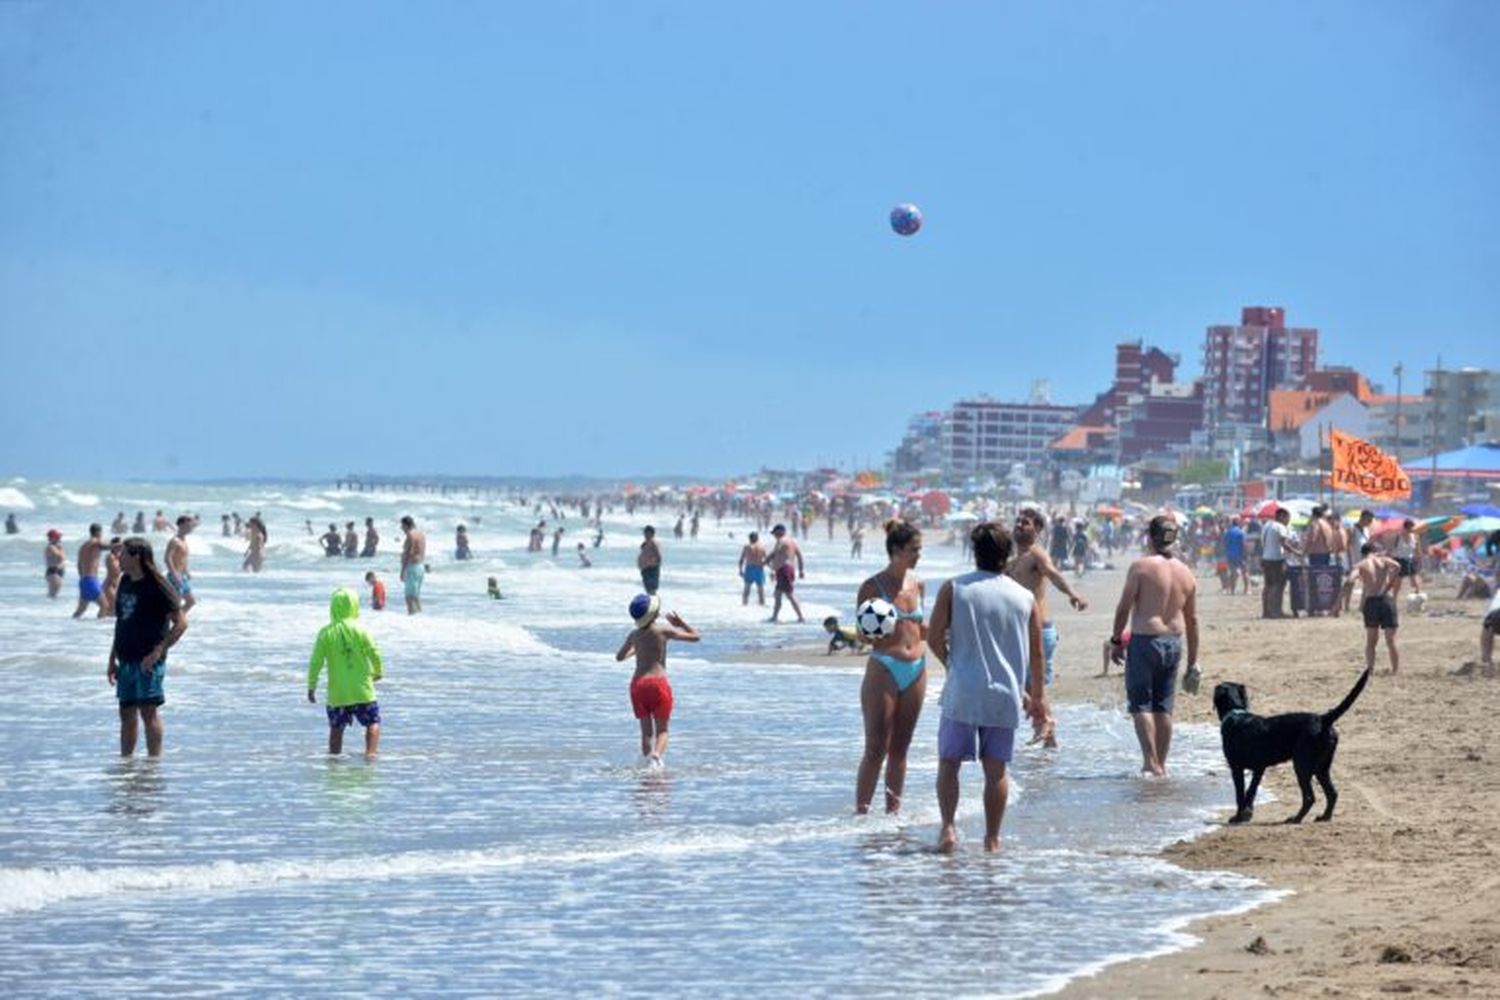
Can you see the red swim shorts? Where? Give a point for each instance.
(651, 697)
(786, 578)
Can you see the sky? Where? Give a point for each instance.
(620, 238)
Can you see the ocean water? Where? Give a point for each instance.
(508, 840)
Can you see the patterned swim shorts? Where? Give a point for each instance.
(367, 715)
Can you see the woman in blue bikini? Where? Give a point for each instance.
(896, 673)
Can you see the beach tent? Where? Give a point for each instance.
(1479, 461)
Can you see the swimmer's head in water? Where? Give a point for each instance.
(53, 535)
(1163, 532)
(644, 608)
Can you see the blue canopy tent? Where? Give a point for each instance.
(1478, 461)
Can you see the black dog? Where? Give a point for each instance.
(1254, 743)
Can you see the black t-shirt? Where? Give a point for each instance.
(143, 614)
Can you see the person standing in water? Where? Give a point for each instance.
(148, 622)
(752, 569)
(413, 563)
(895, 682)
(1033, 569)
(987, 630)
(372, 540)
(785, 562)
(351, 541)
(1160, 604)
(649, 561)
(55, 560)
(90, 591)
(354, 665)
(255, 555)
(177, 564)
(112, 574)
(650, 692)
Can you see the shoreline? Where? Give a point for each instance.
(1399, 893)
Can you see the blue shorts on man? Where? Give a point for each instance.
(89, 588)
(135, 686)
(1151, 663)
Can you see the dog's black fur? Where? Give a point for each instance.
(1254, 743)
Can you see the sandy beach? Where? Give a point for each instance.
(1400, 893)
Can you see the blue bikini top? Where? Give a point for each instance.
(904, 616)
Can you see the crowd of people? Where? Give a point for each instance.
(991, 628)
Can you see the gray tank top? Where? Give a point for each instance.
(988, 650)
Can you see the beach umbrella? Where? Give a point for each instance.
(1263, 509)
(1479, 510)
(1435, 529)
(1389, 526)
(1476, 526)
(935, 502)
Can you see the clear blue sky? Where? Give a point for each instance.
(480, 237)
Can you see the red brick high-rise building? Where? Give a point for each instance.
(1242, 364)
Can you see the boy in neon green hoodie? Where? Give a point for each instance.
(353, 668)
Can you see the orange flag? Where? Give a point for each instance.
(1360, 467)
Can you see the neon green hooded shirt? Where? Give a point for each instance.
(353, 661)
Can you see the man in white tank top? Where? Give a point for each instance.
(986, 630)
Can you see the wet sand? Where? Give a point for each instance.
(1400, 893)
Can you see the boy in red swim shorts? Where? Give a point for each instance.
(650, 693)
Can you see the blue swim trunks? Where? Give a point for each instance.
(958, 740)
(182, 584)
(1049, 646)
(755, 574)
(89, 588)
(133, 686)
(366, 714)
(411, 579)
(1151, 663)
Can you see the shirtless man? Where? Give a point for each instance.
(372, 540)
(90, 591)
(413, 563)
(1380, 576)
(1359, 534)
(752, 569)
(112, 572)
(119, 525)
(1159, 603)
(160, 522)
(783, 554)
(649, 561)
(351, 540)
(55, 559)
(1032, 567)
(1318, 542)
(177, 564)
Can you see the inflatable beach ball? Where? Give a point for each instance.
(906, 219)
(875, 619)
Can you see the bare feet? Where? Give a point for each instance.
(947, 840)
(991, 844)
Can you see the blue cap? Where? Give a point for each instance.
(643, 609)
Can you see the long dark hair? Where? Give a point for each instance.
(141, 549)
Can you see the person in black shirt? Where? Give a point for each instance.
(148, 622)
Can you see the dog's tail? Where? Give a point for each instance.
(1332, 715)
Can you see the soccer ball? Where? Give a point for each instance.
(906, 219)
(1416, 602)
(875, 619)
